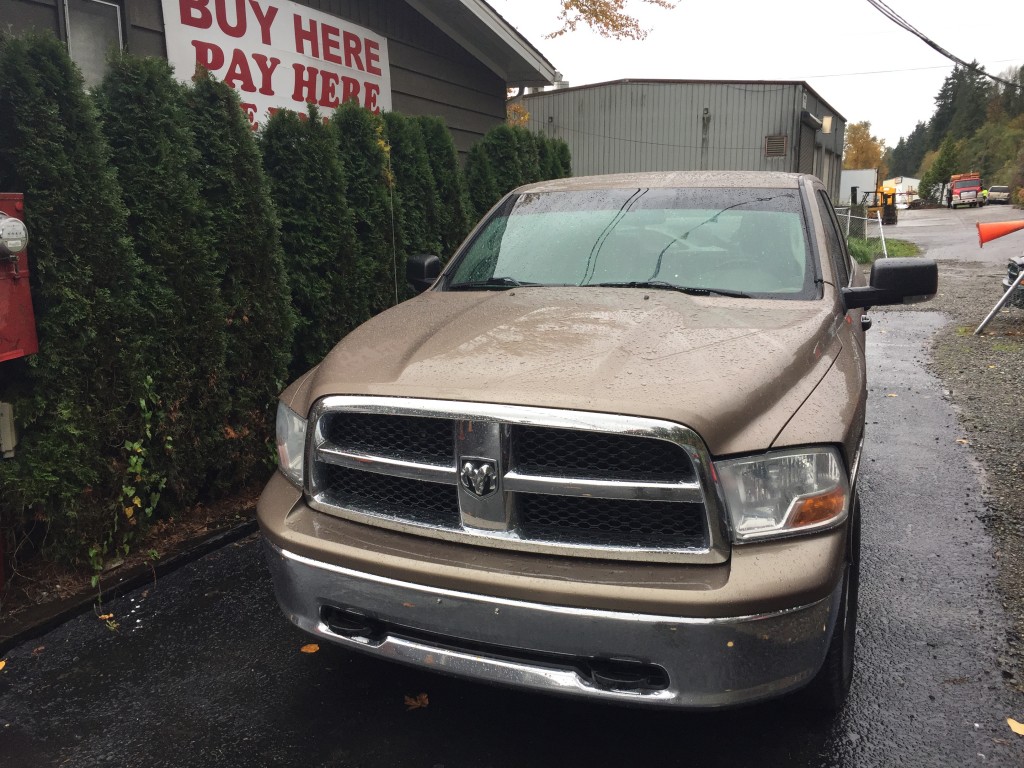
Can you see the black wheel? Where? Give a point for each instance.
(827, 692)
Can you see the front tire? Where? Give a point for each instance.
(828, 690)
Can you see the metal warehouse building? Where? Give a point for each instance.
(452, 58)
(661, 125)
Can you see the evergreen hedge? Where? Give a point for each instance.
(453, 210)
(307, 184)
(415, 188)
(369, 187)
(170, 263)
(259, 321)
(147, 127)
(70, 462)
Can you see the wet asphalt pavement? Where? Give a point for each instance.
(203, 669)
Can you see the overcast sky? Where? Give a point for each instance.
(860, 62)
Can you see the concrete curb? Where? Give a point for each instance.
(41, 619)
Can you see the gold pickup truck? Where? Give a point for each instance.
(610, 451)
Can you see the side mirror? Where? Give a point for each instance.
(421, 270)
(896, 281)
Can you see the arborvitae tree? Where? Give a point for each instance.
(254, 287)
(453, 213)
(564, 155)
(369, 184)
(308, 188)
(146, 125)
(415, 188)
(483, 191)
(74, 401)
(502, 146)
(546, 156)
(529, 156)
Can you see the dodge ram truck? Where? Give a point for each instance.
(610, 450)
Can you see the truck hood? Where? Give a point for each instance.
(734, 370)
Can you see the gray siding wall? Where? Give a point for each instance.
(660, 126)
(430, 73)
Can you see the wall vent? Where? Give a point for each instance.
(775, 146)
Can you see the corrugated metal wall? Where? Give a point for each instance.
(430, 73)
(682, 125)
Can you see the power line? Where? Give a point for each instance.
(894, 71)
(894, 17)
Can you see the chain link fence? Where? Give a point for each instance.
(865, 236)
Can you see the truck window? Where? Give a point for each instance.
(836, 242)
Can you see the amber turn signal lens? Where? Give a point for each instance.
(818, 508)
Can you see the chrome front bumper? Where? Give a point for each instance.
(706, 663)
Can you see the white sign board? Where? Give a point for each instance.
(278, 54)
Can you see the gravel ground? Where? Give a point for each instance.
(984, 379)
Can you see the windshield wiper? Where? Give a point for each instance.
(664, 285)
(491, 283)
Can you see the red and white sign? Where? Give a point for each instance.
(276, 54)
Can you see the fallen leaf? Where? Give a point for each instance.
(106, 617)
(3, 663)
(963, 441)
(892, 395)
(311, 648)
(993, 366)
(38, 649)
(420, 702)
(1016, 727)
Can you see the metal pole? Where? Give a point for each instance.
(999, 304)
(881, 234)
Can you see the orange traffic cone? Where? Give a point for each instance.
(992, 230)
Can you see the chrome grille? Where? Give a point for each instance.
(596, 455)
(405, 437)
(566, 482)
(611, 522)
(395, 497)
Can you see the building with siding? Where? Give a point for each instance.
(452, 58)
(663, 125)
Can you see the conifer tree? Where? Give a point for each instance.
(254, 287)
(74, 400)
(369, 187)
(503, 151)
(307, 184)
(146, 125)
(483, 191)
(415, 189)
(454, 212)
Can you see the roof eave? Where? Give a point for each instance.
(479, 29)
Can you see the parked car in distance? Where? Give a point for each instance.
(610, 451)
(999, 194)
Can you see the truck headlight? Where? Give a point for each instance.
(784, 492)
(291, 443)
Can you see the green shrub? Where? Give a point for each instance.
(483, 190)
(369, 184)
(146, 125)
(454, 210)
(563, 163)
(503, 151)
(317, 233)
(254, 288)
(74, 401)
(415, 189)
(529, 156)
